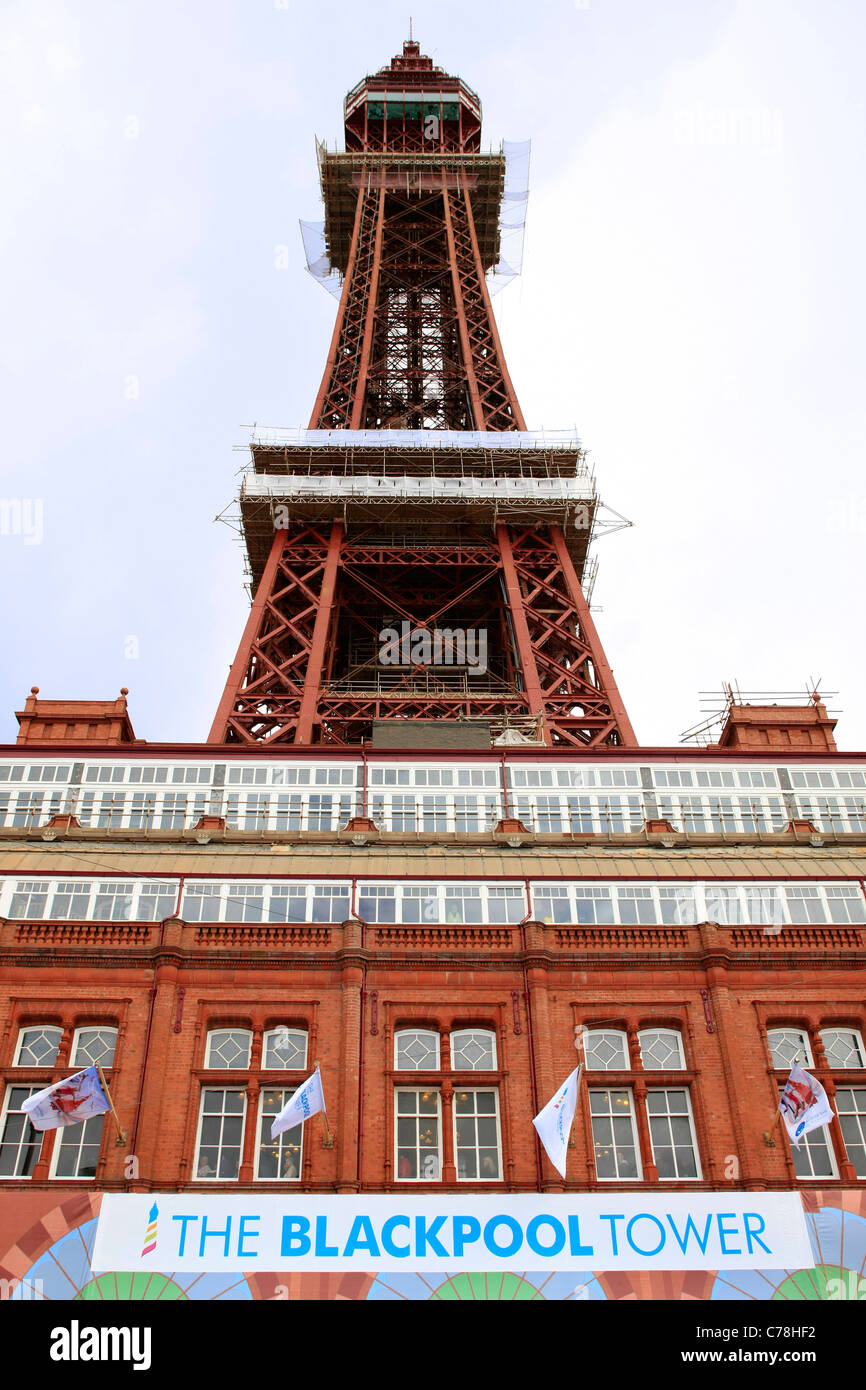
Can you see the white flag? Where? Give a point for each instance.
(804, 1105)
(68, 1102)
(308, 1100)
(553, 1123)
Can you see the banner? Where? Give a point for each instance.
(704, 1230)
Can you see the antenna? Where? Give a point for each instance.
(410, 28)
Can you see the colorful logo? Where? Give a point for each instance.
(150, 1233)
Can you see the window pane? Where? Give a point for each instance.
(278, 1159)
(94, 1047)
(473, 1050)
(416, 1049)
(606, 1051)
(614, 1135)
(476, 1136)
(38, 1046)
(417, 1150)
(228, 1049)
(285, 1048)
(220, 1134)
(20, 1143)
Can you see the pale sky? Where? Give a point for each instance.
(692, 299)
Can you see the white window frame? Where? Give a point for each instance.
(609, 1115)
(858, 1045)
(420, 1154)
(241, 1032)
(33, 1028)
(803, 1035)
(820, 1138)
(4, 1116)
(236, 1090)
(666, 1033)
(79, 1063)
(74, 1137)
(436, 1065)
(486, 1033)
(697, 1176)
(284, 1029)
(603, 1034)
(859, 1117)
(282, 1141)
(476, 1091)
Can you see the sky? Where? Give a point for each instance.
(692, 299)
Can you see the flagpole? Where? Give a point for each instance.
(329, 1138)
(121, 1133)
(769, 1141)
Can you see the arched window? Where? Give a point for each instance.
(844, 1047)
(228, 1049)
(284, 1049)
(473, 1049)
(606, 1050)
(789, 1047)
(38, 1046)
(416, 1049)
(661, 1049)
(93, 1046)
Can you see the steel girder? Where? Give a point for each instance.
(416, 344)
(292, 681)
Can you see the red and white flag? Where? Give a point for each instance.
(68, 1102)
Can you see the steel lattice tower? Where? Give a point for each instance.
(417, 497)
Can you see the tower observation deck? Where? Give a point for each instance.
(417, 521)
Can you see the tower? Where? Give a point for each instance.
(350, 876)
(417, 554)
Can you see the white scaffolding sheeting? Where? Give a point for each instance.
(512, 217)
(318, 265)
(512, 226)
(538, 490)
(547, 440)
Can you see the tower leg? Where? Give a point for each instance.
(321, 632)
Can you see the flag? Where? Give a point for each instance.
(308, 1100)
(804, 1105)
(68, 1102)
(553, 1123)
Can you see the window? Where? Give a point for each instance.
(93, 1047)
(606, 1051)
(284, 1049)
(156, 901)
(814, 1158)
(843, 1047)
(672, 1134)
(38, 1046)
(278, 1160)
(20, 1143)
(614, 1135)
(76, 1149)
(220, 1134)
(473, 1050)
(661, 1049)
(416, 1049)
(851, 1109)
(288, 902)
(228, 1049)
(418, 1144)
(789, 1047)
(477, 1149)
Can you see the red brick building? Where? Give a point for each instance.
(432, 880)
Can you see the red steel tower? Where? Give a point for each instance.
(417, 504)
